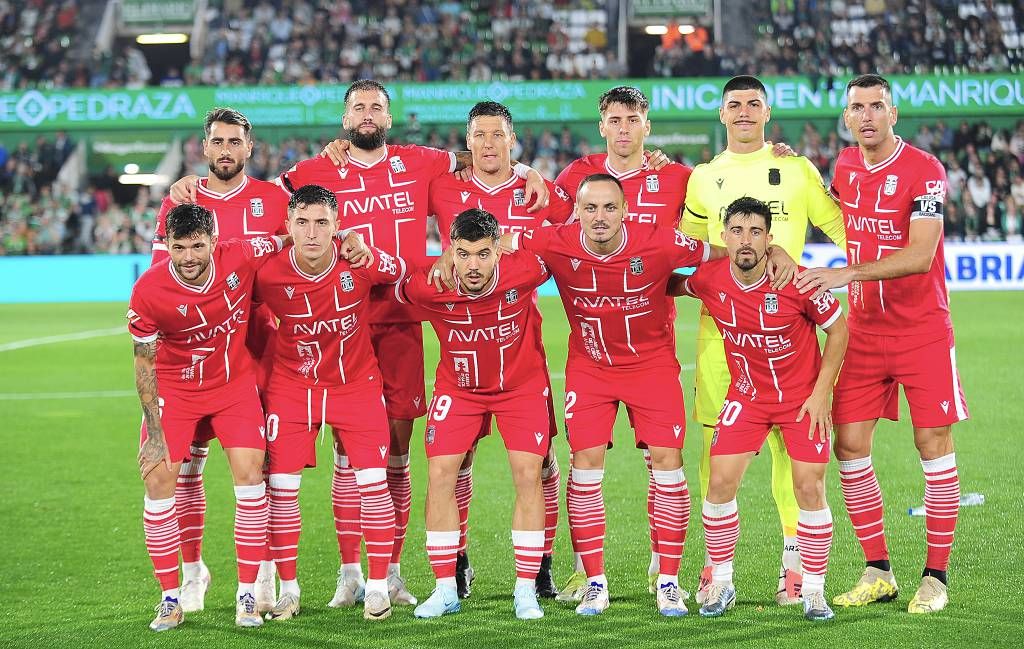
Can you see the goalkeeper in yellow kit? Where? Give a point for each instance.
(793, 189)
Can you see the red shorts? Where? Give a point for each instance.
(743, 426)
(260, 343)
(485, 427)
(876, 366)
(456, 416)
(233, 411)
(653, 398)
(295, 414)
(399, 351)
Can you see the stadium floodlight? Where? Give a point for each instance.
(131, 168)
(161, 39)
(656, 30)
(143, 179)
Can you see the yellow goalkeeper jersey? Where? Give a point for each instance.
(791, 186)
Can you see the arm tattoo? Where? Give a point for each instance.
(145, 383)
(463, 159)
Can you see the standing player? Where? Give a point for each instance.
(324, 372)
(778, 378)
(491, 365)
(494, 188)
(189, 318)
(792, 188)
(892, 196)
(655, 194)
(612, 277)
(242, 207)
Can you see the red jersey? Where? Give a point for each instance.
(386, 201)
(616, 302)
(450, 196)
(770, 342)
(254, 208)
(489, 342)
(651, 196)
(200, 330)
(322, 340)
(879, 202)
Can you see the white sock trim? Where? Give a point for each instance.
(815, 516)
(674, 476)
(944, 463)
(442, 539)
(285, 480)
(719, 510)
(366, 476)
(855, 465)
(528, 538)
(587, 476)
(159, 505)
(250, 491)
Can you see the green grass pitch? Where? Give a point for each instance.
(75, 570)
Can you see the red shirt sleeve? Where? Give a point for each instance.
(824, 310)
(560, 206)
(385, 268)
(568, 180)
(682, 250)
(141, 326)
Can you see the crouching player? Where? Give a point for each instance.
(779, 378)
(491, 365)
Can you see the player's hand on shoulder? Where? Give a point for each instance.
(337, 151)
(820, 280)
(184, 190)
(657, 159)
(781, 149)
(536, 187)
(355, 251)
(781, 267)
(463, 174)
(441, 274)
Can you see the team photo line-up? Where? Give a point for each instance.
(273, 310)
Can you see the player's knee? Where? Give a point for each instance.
(810, 494)
(933, 442)
(849, 448)
(722, 488)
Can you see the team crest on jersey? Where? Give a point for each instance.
(182, 309)
(289, 291)
(431, 431)
(652, 183)
(256, 206)
(774, 176)
(890, 184)
(465, 196)
(397, 165)
(771, 303)
(233, 281)
(519, 197)
(575, 263)
(636, 265)
(512, 296)
(347, 283)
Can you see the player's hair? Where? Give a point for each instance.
(596, 178)
(368, 84)
(227, 116)
(749, 205)
(744, 82)
(869, 81)
(188, 220)
(630, 97)
(490, 109)
(473, 225)
(312, 195)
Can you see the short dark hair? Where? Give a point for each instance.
(367, 84)
(490, 109)
(595, 178)
(744, 82)
(473, 225)
(228, 116)
(628, 96)
(188, 220)
(313, 195)
(869, 81)
(749, 205)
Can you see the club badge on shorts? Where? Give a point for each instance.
(771, 303)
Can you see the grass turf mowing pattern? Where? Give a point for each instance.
(75, 570)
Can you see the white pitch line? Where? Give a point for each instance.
(47, 340)
(45, 396)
